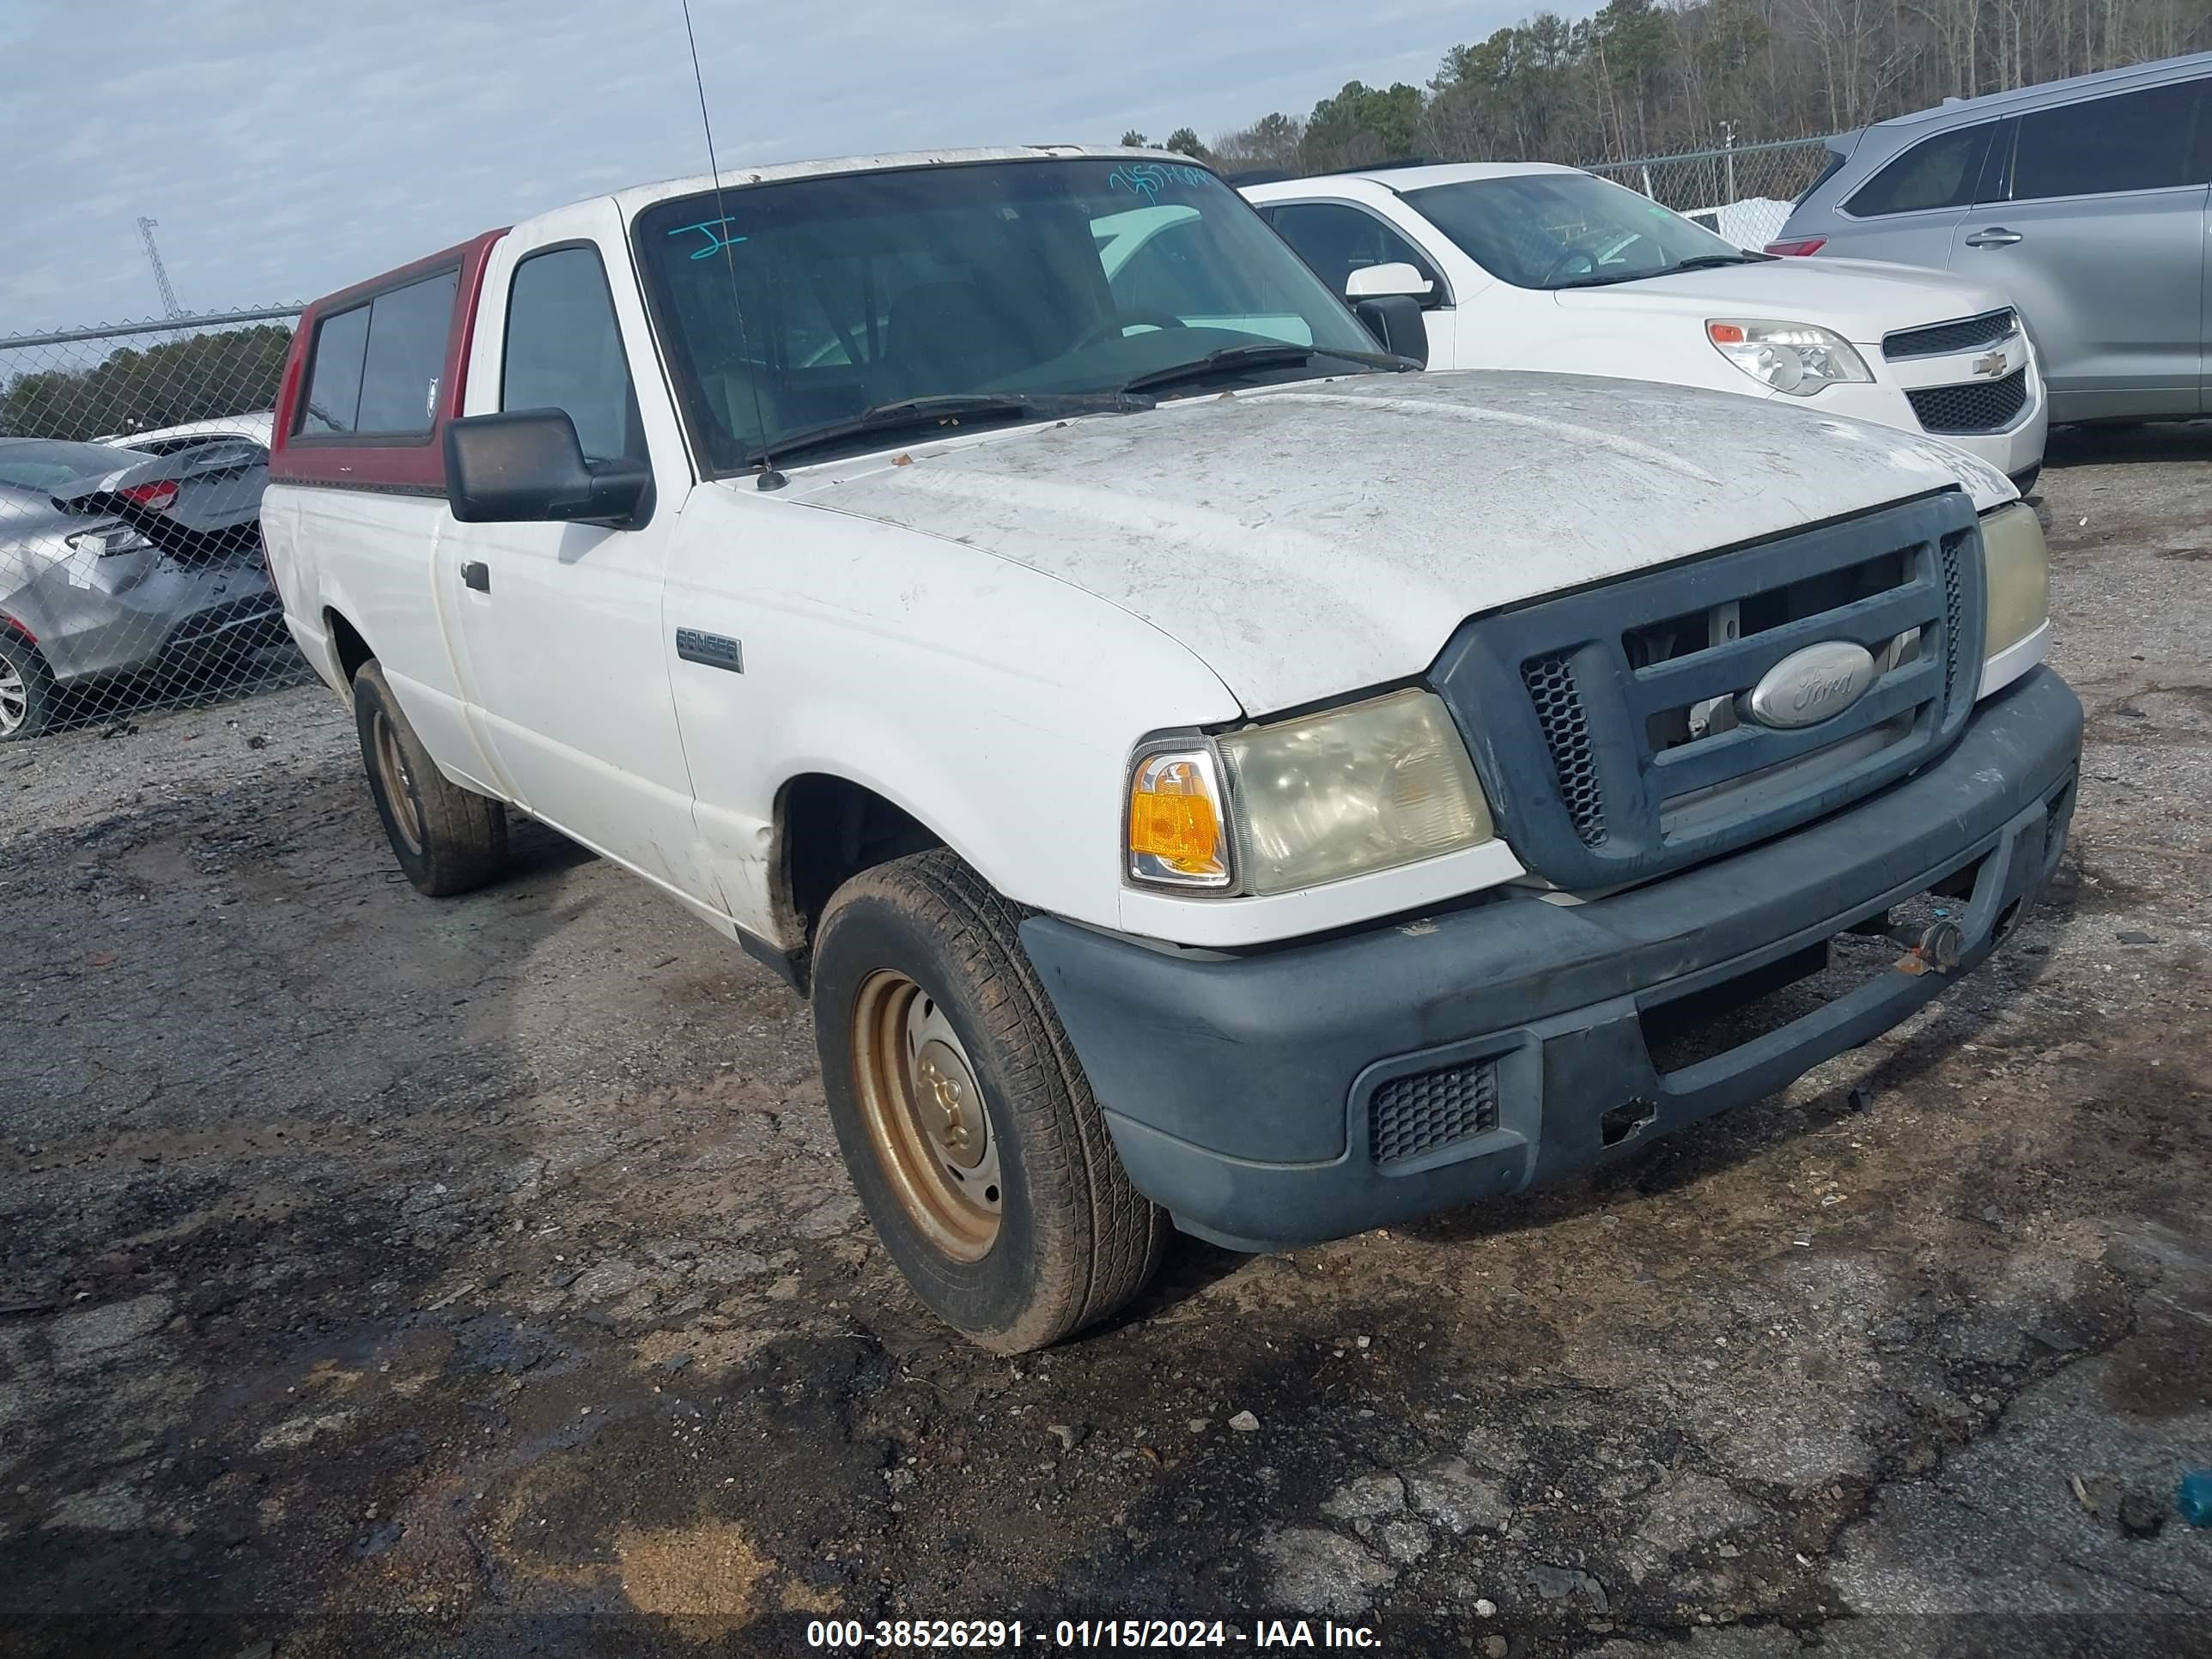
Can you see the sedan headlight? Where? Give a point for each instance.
(1796, 358)
(1305, 801)
(2018, 568)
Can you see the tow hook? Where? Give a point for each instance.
(1937, 946)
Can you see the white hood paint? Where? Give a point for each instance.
(1861, 299)
(1310, 540)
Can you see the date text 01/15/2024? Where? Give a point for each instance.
(991, 1635)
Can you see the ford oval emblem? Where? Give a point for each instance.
(1812, 686)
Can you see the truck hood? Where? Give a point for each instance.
(1861, 299)
(1308, 540)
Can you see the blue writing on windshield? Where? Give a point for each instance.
(717, 238)
(1149, 179)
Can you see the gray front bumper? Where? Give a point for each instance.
(1237, 1088)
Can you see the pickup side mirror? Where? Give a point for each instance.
(525, 466)
(1394, 321)
(1379, 282)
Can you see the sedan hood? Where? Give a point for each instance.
(1309, 540)
(1861, 299)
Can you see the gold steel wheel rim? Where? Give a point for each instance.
(925, 1115)
(398, 783)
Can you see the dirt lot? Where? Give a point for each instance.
(384, 1276)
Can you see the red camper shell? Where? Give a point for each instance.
(375, 371)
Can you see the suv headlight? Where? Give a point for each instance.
(2017, 566)
(1305, 801)
(1796, 358)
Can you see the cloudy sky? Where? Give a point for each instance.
(289, 147)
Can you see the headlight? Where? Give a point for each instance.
(1357, 789)
(2018, 567)
(1793, 358)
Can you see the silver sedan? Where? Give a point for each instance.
(141, 562)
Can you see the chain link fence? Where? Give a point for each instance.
(1742, 192)
(132, 461)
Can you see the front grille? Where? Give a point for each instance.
(1982, 406)
(1611, 725)
(1551, 683)
(1954, 604)
(1407, 1116)
(1940, 339)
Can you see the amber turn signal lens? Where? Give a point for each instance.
(1176, 833)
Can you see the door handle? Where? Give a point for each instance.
(476, 574)
(1995, 236)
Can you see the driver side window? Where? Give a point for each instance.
(564, 351)
(1336, 240)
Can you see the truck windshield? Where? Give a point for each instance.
(1551, 230)
(787, 309)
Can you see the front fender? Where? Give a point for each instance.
(994, 704)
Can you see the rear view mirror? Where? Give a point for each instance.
(1395, 322)
(1381, 282)
(525, 466)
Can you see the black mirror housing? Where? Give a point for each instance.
(1395, 322)
(526, 466)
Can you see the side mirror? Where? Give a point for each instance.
(1395, 322)
(1381, 282)
(525, 466)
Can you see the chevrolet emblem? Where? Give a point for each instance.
(1994, 365)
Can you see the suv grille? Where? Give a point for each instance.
(1407, 1116)
(1982, 406)
(1942, 338)
(1609, 727)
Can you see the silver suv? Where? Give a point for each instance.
(2084, 200)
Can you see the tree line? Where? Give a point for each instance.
(198, 378)
(1642, 78)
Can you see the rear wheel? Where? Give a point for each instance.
(448, 839)
(964, 1117)
(27, 690)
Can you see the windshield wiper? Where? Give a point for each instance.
(1229, 360)
(1607, 282)
(1708, 261)
(908, 414)
(1702, 262)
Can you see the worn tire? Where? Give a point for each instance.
(448, 839)
(24, 675)
(1075, 1241)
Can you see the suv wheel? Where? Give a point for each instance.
(448, 839)
(27, 690)
(963, 1115)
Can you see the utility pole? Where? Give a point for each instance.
(169, 306)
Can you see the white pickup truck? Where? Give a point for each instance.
(1199, 768)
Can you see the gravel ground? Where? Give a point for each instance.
(379, 1275)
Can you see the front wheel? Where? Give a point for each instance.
(964, 1117)
(27, 690)
(448, 839)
